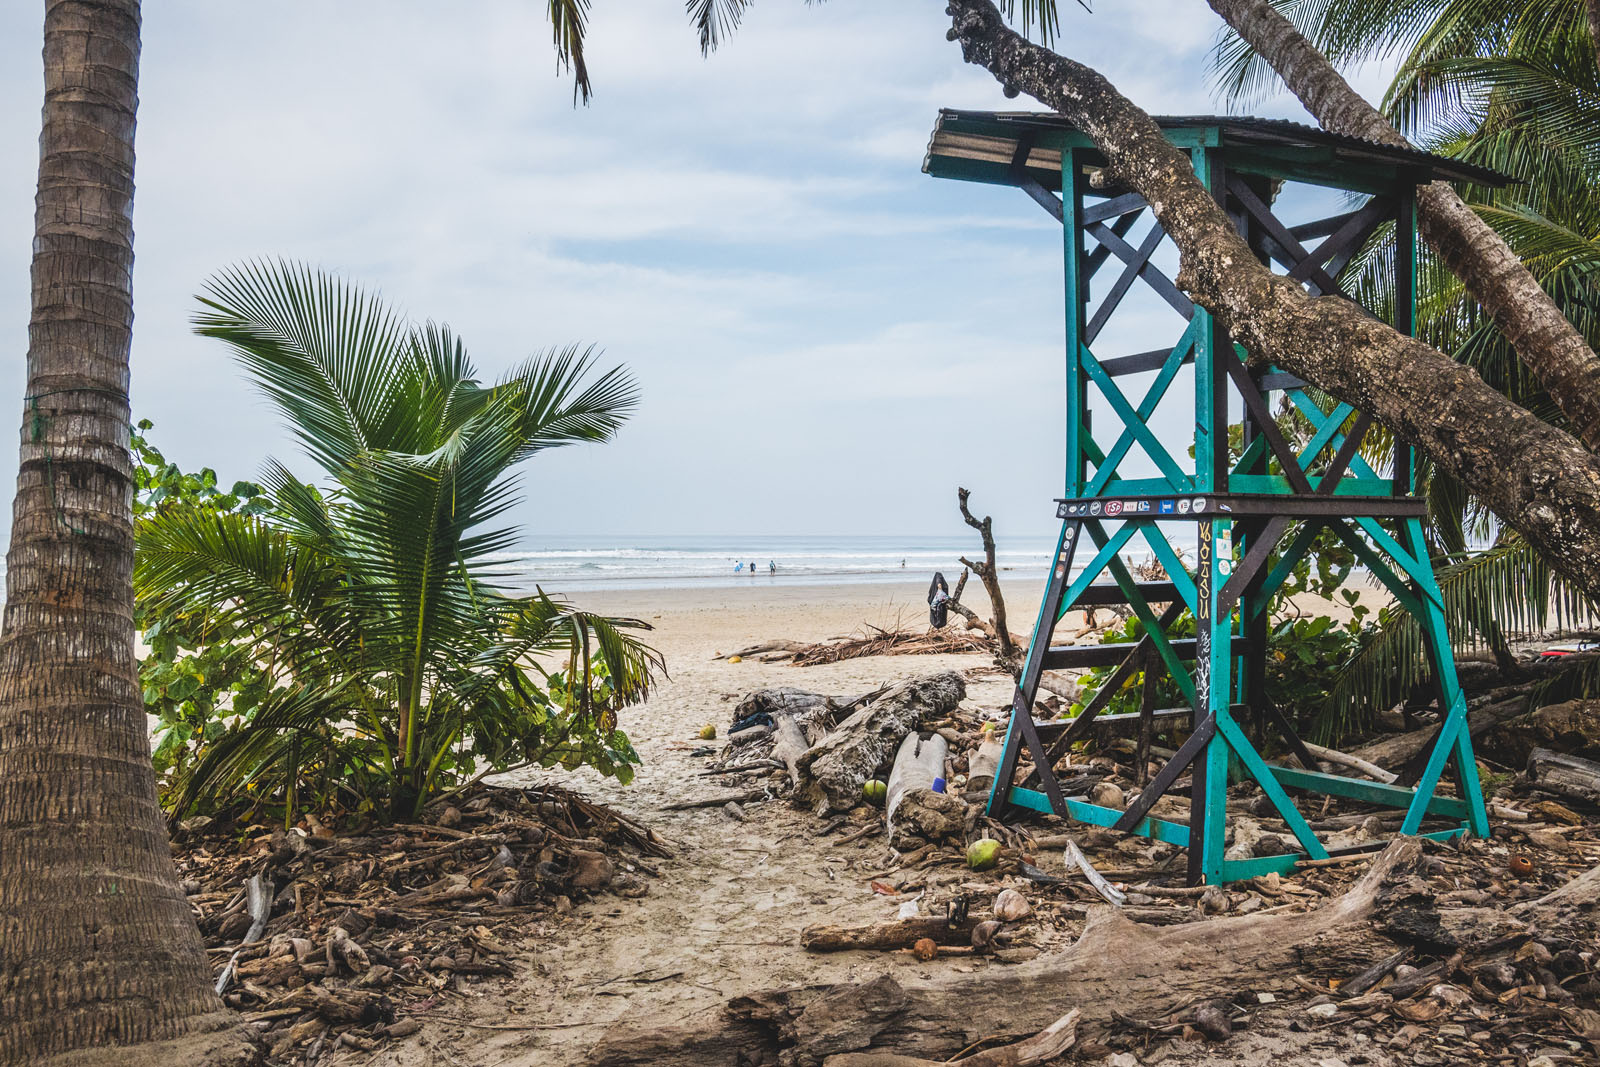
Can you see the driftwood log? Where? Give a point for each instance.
(833, 770)
(1572, 727)
(1116, 966)
(1571, 776)
(1046, 1045)
(1395, 750)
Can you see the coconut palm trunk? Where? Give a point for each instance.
(1548, 345)
(97, 944)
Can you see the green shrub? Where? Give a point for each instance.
(347, 646)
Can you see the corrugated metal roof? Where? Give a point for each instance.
(996, 146)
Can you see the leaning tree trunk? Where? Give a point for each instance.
(1548, 345)
(97, 944)
(1539, 479)
(1593, 11)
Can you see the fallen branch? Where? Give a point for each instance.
(765, 646)
(1076, 858)
(901, 933)
(988, 574)
(1355, 763)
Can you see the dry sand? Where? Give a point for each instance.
(723, 918)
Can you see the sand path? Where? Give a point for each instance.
(724, 916)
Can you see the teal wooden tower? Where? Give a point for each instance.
(1247, 516)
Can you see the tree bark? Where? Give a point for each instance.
(1539, 479)
(1549, 345)
(98, 948)
(1593, 11)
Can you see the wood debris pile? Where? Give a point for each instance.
(1449, 970)
(323, 939)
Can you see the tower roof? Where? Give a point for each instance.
(985, 146)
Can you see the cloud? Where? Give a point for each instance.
(827, 339)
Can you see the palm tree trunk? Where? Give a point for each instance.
(97, 944)
(1537, 478)
(1549, 345)
(1593, 8)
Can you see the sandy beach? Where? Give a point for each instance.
(724, 914)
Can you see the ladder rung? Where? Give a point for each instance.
(1064, 656)
(1056, 727)
(1101, 593)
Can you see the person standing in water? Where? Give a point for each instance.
(772, 567)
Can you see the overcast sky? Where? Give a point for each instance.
(827, 340)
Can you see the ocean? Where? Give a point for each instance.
(564, 564)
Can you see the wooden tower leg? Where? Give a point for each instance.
(1021, 732)
(1208, 800)
(1453, 743)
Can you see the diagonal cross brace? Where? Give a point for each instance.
(1107, 468)
(1156, 280)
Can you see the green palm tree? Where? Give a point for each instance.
(375, 598)
(1512, 86)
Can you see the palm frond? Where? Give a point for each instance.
(1490, 597)
(714, 20)
(568, 23)
(324, 351)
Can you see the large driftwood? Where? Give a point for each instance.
(1117, 965)
(1046, 1045)
(784, 700)
(833, 770)
(1570, 776)
(1392, 752)
(917, 765)
(1572, 728)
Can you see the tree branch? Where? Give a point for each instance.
(1548, 345)
(1535, 477)
(987, 574)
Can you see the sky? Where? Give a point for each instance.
(826, 339)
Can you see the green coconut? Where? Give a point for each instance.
(874, 790)
(708, 732)
(982, 854)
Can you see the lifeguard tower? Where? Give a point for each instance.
(1250, 514)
